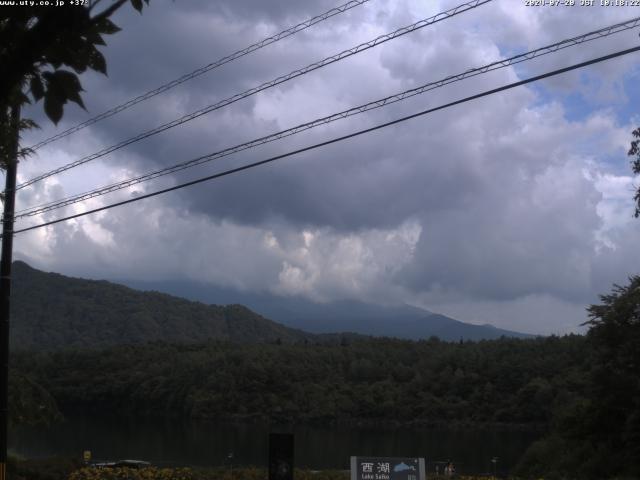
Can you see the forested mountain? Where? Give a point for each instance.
(50, 311)
(508, 381)
(398, 321)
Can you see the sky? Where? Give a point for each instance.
(515, 209)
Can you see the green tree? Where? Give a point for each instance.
(598, 437)
(634, 151)
(30, 403)
(613, 421)
(44, 48)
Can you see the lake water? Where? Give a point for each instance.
(316, 447)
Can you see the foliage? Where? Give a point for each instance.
(612, 419)
(154, 473)
(599, 437)
(30, 403)
(247, 473)
(55, 468)
(508, 381)
(634, 151)
(44, 49)
(148, 473)
(7, 136)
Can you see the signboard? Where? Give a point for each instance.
(86, 455)
(387, 468)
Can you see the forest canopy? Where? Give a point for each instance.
(515, 382)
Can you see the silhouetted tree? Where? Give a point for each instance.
(613, 416)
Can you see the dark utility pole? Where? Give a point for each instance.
(5, 282)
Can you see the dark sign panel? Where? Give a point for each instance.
(387, 468)
(280, 456)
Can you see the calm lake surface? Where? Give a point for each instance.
(316, 447)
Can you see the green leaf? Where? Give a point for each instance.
(66, 80)
(77, 99)
(53, 107)
(37, 89)
(94, 38)
(107, 27)
(54, 54)
(62, 86)
(78, 61)
(137, 4)
(97, 62)
(68, 83)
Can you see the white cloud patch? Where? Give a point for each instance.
(325, 265)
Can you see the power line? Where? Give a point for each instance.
(597, 34)
(338, 139)
(196, 73)
(252, 91)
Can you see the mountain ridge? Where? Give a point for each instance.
(51, 311)
(399, 321)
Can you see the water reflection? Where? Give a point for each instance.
(316, 447)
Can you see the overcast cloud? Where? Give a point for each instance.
(515, 209)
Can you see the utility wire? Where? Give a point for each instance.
(601, 33)
(196, 73)
(252, 91)
(338, 139)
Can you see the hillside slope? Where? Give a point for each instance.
(51, 311)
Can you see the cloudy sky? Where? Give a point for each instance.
(515, 209)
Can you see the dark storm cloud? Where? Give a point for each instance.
(274, 11)
(363, 183)
(163, 44)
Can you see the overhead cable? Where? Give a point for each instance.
(570, 42)
(252, 91)
(336, 140)
(196, 73)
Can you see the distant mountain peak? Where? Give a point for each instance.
(345, 315)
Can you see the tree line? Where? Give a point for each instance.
(508, 381)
